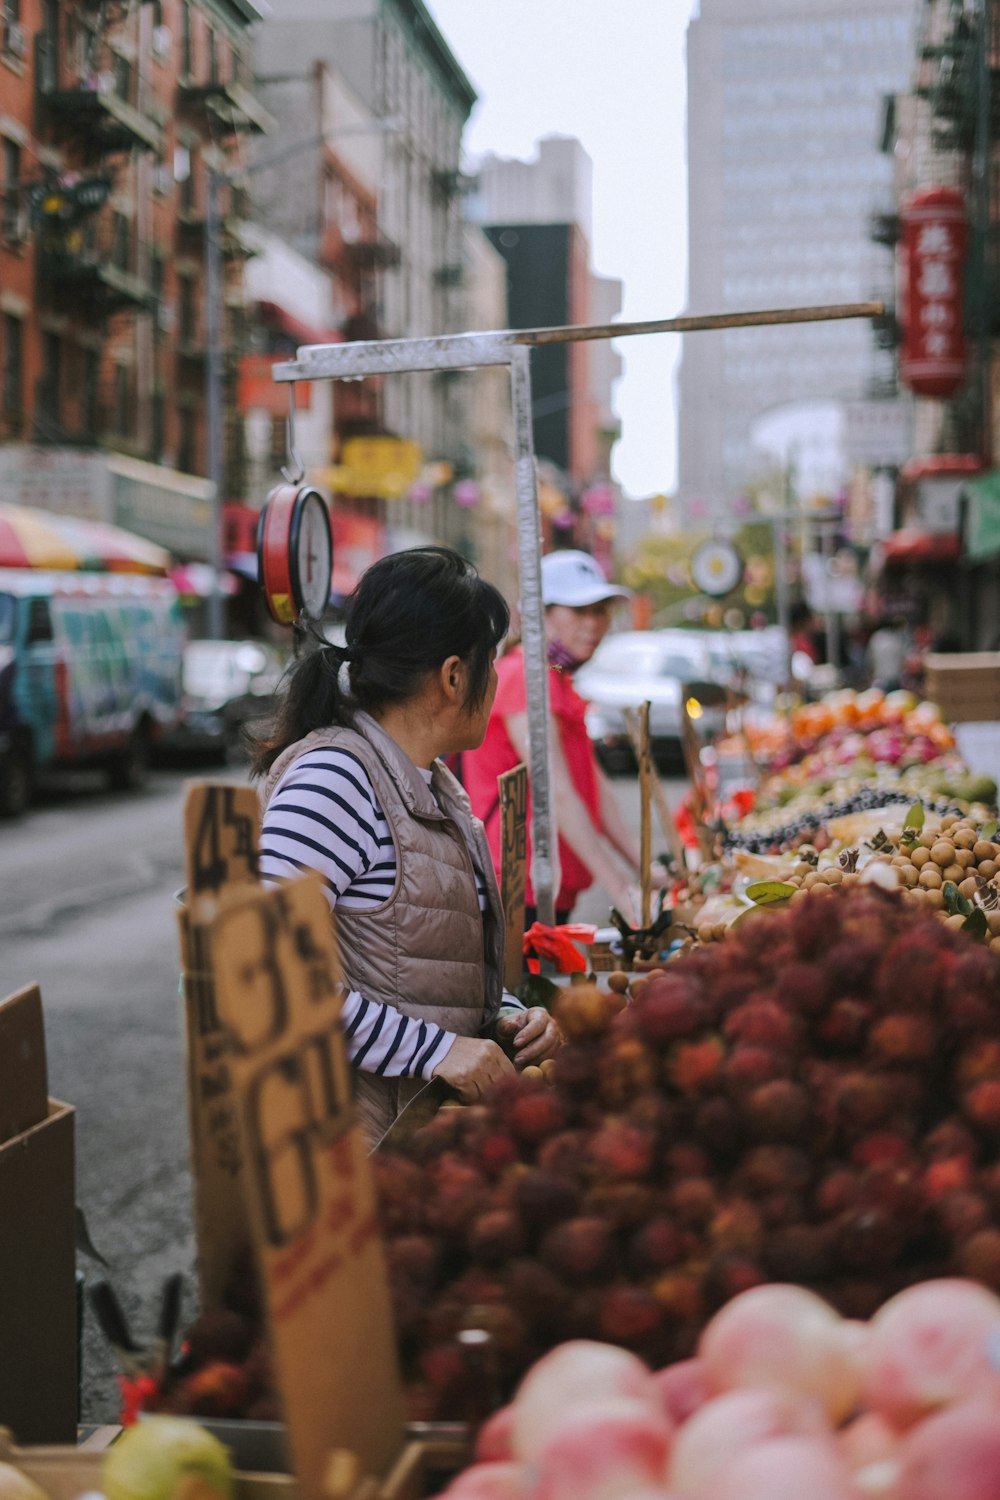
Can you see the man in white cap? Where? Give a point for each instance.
(594, 842)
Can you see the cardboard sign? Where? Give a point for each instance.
(221, 853)
(308, 1180)
(38, 1371)
(513, 788)
(666, 818)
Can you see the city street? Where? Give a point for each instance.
(87, 911)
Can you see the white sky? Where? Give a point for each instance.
(611, 73)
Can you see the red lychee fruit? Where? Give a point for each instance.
(537, 1114)
(837, 1191)
(777, 1111)
(695, 1066)
(717, 1123)
(962, 1215)
(621, 1205)
(767, 1169)
(629, 1315)
(903, 1038)
(978, 1061)
(693, 1202)
(869, 1239)
(979, 1258)
(799, 1252)
(627, 1068)
(747, 1066)
(579, 1249)
(495, 1151)
(543, 1198)
(844, 1027)
(562, 1154)
(669, 1009)
(880, 1148)
(951, 1174)
(681, 1295)
(729, 1274)
(780, 1208)
(414, 1261)
(583, 1011)
(574, 1073)
(656, 1246)
(803, 988)
(535, 1293)
(685, 1159)
(737, 1226)
(981, 1105)
(763, 1023)
(495, 1236)
(618, 1150)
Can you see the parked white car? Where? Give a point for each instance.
(632, 667)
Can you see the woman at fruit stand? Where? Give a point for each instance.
(594, 841)
(354, 788)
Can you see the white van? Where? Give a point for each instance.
(90, 674)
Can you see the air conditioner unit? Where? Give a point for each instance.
(15, 40)
(161, 43)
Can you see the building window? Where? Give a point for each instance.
(91, 377)
(186, 446)
(120, 242)
(122, 412)
(213, 57)
(14, 41)
(49, 393)
(186, 48)
(188, 320)
(158, 433)
(12, 394)
(11, 217)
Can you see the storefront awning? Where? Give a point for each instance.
(297, 328)
(982, 517)
(912, 545)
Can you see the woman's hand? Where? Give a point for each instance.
(534, 1033)
(471, 1066)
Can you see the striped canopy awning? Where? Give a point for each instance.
(32, 538)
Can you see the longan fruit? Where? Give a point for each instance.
(811, 880)
(955, 920)
(954, 873)
(964, 857)
(984, 849)
(948, 820)
(993, 923)
(910, 877)
(965, 838)
(705, 932)
(719, 930)
(988, 868)
(969, 887)
(943, 852)
(995, 945)
(618, 982)
(934, 898)
(930, 878)
(919, 855)
(832, 877)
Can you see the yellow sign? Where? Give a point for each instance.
(381, 466)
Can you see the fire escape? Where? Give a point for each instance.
(95, 105)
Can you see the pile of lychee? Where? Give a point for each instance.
(815, 1100)
(783, 1400)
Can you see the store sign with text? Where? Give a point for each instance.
(935, 237)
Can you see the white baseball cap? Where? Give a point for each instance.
(575, 578)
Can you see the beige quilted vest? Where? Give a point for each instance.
(427, 950)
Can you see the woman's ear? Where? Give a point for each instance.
(452, 679)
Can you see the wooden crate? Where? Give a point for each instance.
(966, 687)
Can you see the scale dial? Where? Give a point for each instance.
(295, 553)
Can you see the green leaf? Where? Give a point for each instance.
(535, 989)
(988, 831)
(952, 898)
(915, 817)
(975, 922)
(769, 892)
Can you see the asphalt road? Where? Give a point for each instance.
(87, 910)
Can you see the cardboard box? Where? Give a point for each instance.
(38, 1336)
(966, 687)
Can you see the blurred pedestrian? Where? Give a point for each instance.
(888, 648)
(594, 841)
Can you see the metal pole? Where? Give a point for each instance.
(544, 846)
(213, 397)
(781, 597)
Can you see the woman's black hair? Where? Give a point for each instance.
(409, 613)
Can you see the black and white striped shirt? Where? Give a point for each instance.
(324, 815)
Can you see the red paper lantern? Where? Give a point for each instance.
(935, 238)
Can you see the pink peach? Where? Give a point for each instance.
(783, 1337)
(493, 1440)
(731, 1424)
(954, 1455)
(574, 1372)
(927, 1347)
(786, 1468)
(683, 1388)
(603, 1450)
(498, 1481)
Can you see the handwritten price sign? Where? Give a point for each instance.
(221, 851)
(513, 786)
(307, 1180)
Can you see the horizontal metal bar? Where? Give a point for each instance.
(468, 351)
